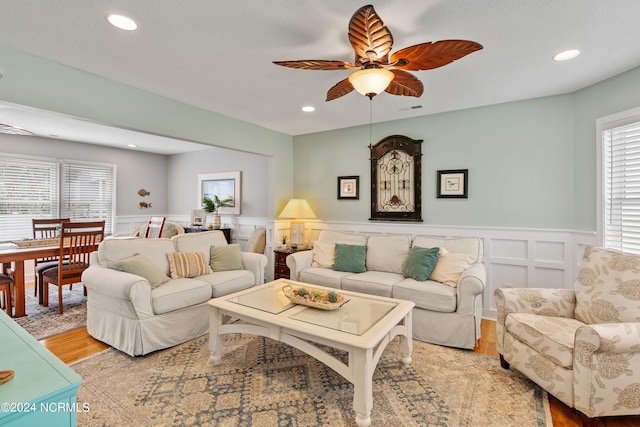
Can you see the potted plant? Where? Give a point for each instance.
(212, 206)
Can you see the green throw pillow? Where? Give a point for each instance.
(139, 265)
(225, 258)
(420, 263)
(350, 258)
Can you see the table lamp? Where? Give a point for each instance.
(297, 210)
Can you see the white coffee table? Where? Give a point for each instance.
(363, 327)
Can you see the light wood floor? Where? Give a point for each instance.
(78, 344)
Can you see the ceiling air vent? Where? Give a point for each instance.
(415, 107)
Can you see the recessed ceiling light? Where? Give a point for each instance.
(122, 22)
(132, 145)
(566, 55)
(308, 109)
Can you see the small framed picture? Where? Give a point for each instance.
(349, 187)
(198, 217)
(453, 184)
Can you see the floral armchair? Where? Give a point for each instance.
(581, 345)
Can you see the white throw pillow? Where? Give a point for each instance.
(449, 267)
(324, 254)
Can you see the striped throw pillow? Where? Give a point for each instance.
(188, 264)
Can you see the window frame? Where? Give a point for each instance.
(604, 124)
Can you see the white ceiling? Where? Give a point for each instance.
(218, 55)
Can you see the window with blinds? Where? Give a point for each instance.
(621, 187)
(88, 192)
(28, 189)
(48, 188)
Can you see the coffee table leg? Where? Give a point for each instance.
(215, 340)
(363, 386)
(406, 342)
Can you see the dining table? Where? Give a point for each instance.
(13, 253)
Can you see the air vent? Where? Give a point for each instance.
(13, 130)
(415, 107)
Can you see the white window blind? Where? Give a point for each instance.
(88, 192)
(621, 187)
(28, 189)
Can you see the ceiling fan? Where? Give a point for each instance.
(372, 42)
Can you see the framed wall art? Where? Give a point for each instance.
(224, 185)
(349, 187)
(453, 184)
(198, 217)
(396, 179)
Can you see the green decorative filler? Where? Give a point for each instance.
(314, 297)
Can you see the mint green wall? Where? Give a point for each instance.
(40, 83)
(611, 96)
(519, 156)
(531, 163)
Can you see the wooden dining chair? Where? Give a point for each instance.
(77, 241)
(154, 227)
(5, 292)
(44, 228)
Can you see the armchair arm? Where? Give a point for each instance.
(298, 261)
(470, 285)
(606, 366)
(543, 301)
(256, 263)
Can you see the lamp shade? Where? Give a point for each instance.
(371, 81)
(297, 209)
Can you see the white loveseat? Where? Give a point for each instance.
(125, 311)
(445, 314)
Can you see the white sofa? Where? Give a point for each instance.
(126, 312)
(444, 314)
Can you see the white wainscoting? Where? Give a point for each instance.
(515, 257)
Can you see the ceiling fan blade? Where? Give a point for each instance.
(368, 34)
(341, 88)
(426, 56)
(313, 64)
(405, 84)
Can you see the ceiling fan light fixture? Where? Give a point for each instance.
(371, 81)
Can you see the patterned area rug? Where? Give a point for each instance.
(262, 382)
(44, 322)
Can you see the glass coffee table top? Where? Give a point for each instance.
(356, 316)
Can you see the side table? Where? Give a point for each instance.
(280, 269)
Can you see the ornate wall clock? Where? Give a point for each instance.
(396, 179)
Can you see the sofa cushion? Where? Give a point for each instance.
(387, 252)
(428, 295)
(226, 282)
(324, 254)
(460, 245)
(550, 336)
(420, 263)
(350, 258)
(372, 282)
(607, 287)
(141, 266)
(224, 258)
(114, 249)
(331, 236)
(199, 242)
(177, 294)
(188, 264)
(449, 267)
(323, 277)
